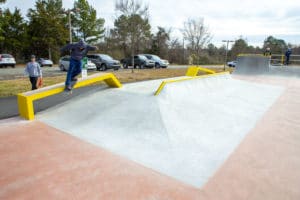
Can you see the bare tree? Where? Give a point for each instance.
(197, 34)
(132, 27)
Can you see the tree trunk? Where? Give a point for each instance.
(49, 53)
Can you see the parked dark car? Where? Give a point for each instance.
(104, 62)
(158, 61)
(45, 62)
(140, 61)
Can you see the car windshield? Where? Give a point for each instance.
(143, 57)
(106, 57)
(65, 58)
(156, 57)
(6, 56)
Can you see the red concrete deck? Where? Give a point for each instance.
(40, 162)
(266, 165)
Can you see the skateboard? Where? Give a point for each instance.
(73, 83)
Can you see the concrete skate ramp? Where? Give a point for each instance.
(186, 132)
(285, 71)
(252, 64)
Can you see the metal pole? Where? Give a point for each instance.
(183, 51)
(226, 51)
(70, 27)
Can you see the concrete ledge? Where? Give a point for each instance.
(25, 100)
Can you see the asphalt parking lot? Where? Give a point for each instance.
(18, 72)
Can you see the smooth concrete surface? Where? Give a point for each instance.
(252, 64)
(41, 162)
(289, 71)
(186, 132)
(257, 65)
(266, 165)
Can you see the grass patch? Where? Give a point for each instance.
(13, 87)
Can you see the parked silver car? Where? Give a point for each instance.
(45, 62)
(7, 60)
(64, 63)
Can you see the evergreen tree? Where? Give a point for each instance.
(132, 28)
(13, 32)
(277, 46)
(47, 28)
(160, 42)
(88, 26)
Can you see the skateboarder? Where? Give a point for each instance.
(287, 56)
(78, 51)
(33, 70)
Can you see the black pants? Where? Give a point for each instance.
(287, 60)
(33, 81)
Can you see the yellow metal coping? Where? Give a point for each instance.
(25, 100)
(162, 85)
(194, 70)
(259, 55)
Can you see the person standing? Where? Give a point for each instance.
(33, 70)
(78, 51)
(268, 52)
(287, 56)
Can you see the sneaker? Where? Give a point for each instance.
(74, 79)
(68, 88)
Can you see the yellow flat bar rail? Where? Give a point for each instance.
(162, 85)
(194, 70)
(25, 100)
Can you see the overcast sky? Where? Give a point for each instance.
(226, 19)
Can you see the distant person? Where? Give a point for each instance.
(33, 70)
(78, 52)
(268, 52)
(287, 56)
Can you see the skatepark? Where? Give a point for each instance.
(215, 136)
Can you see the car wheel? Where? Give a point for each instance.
(13, 66)
(135, 66)
(103, 67)
(98, 67)
(62, 68)
(142, 66)
(50, 65)
(157, 65)
(117, 68)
